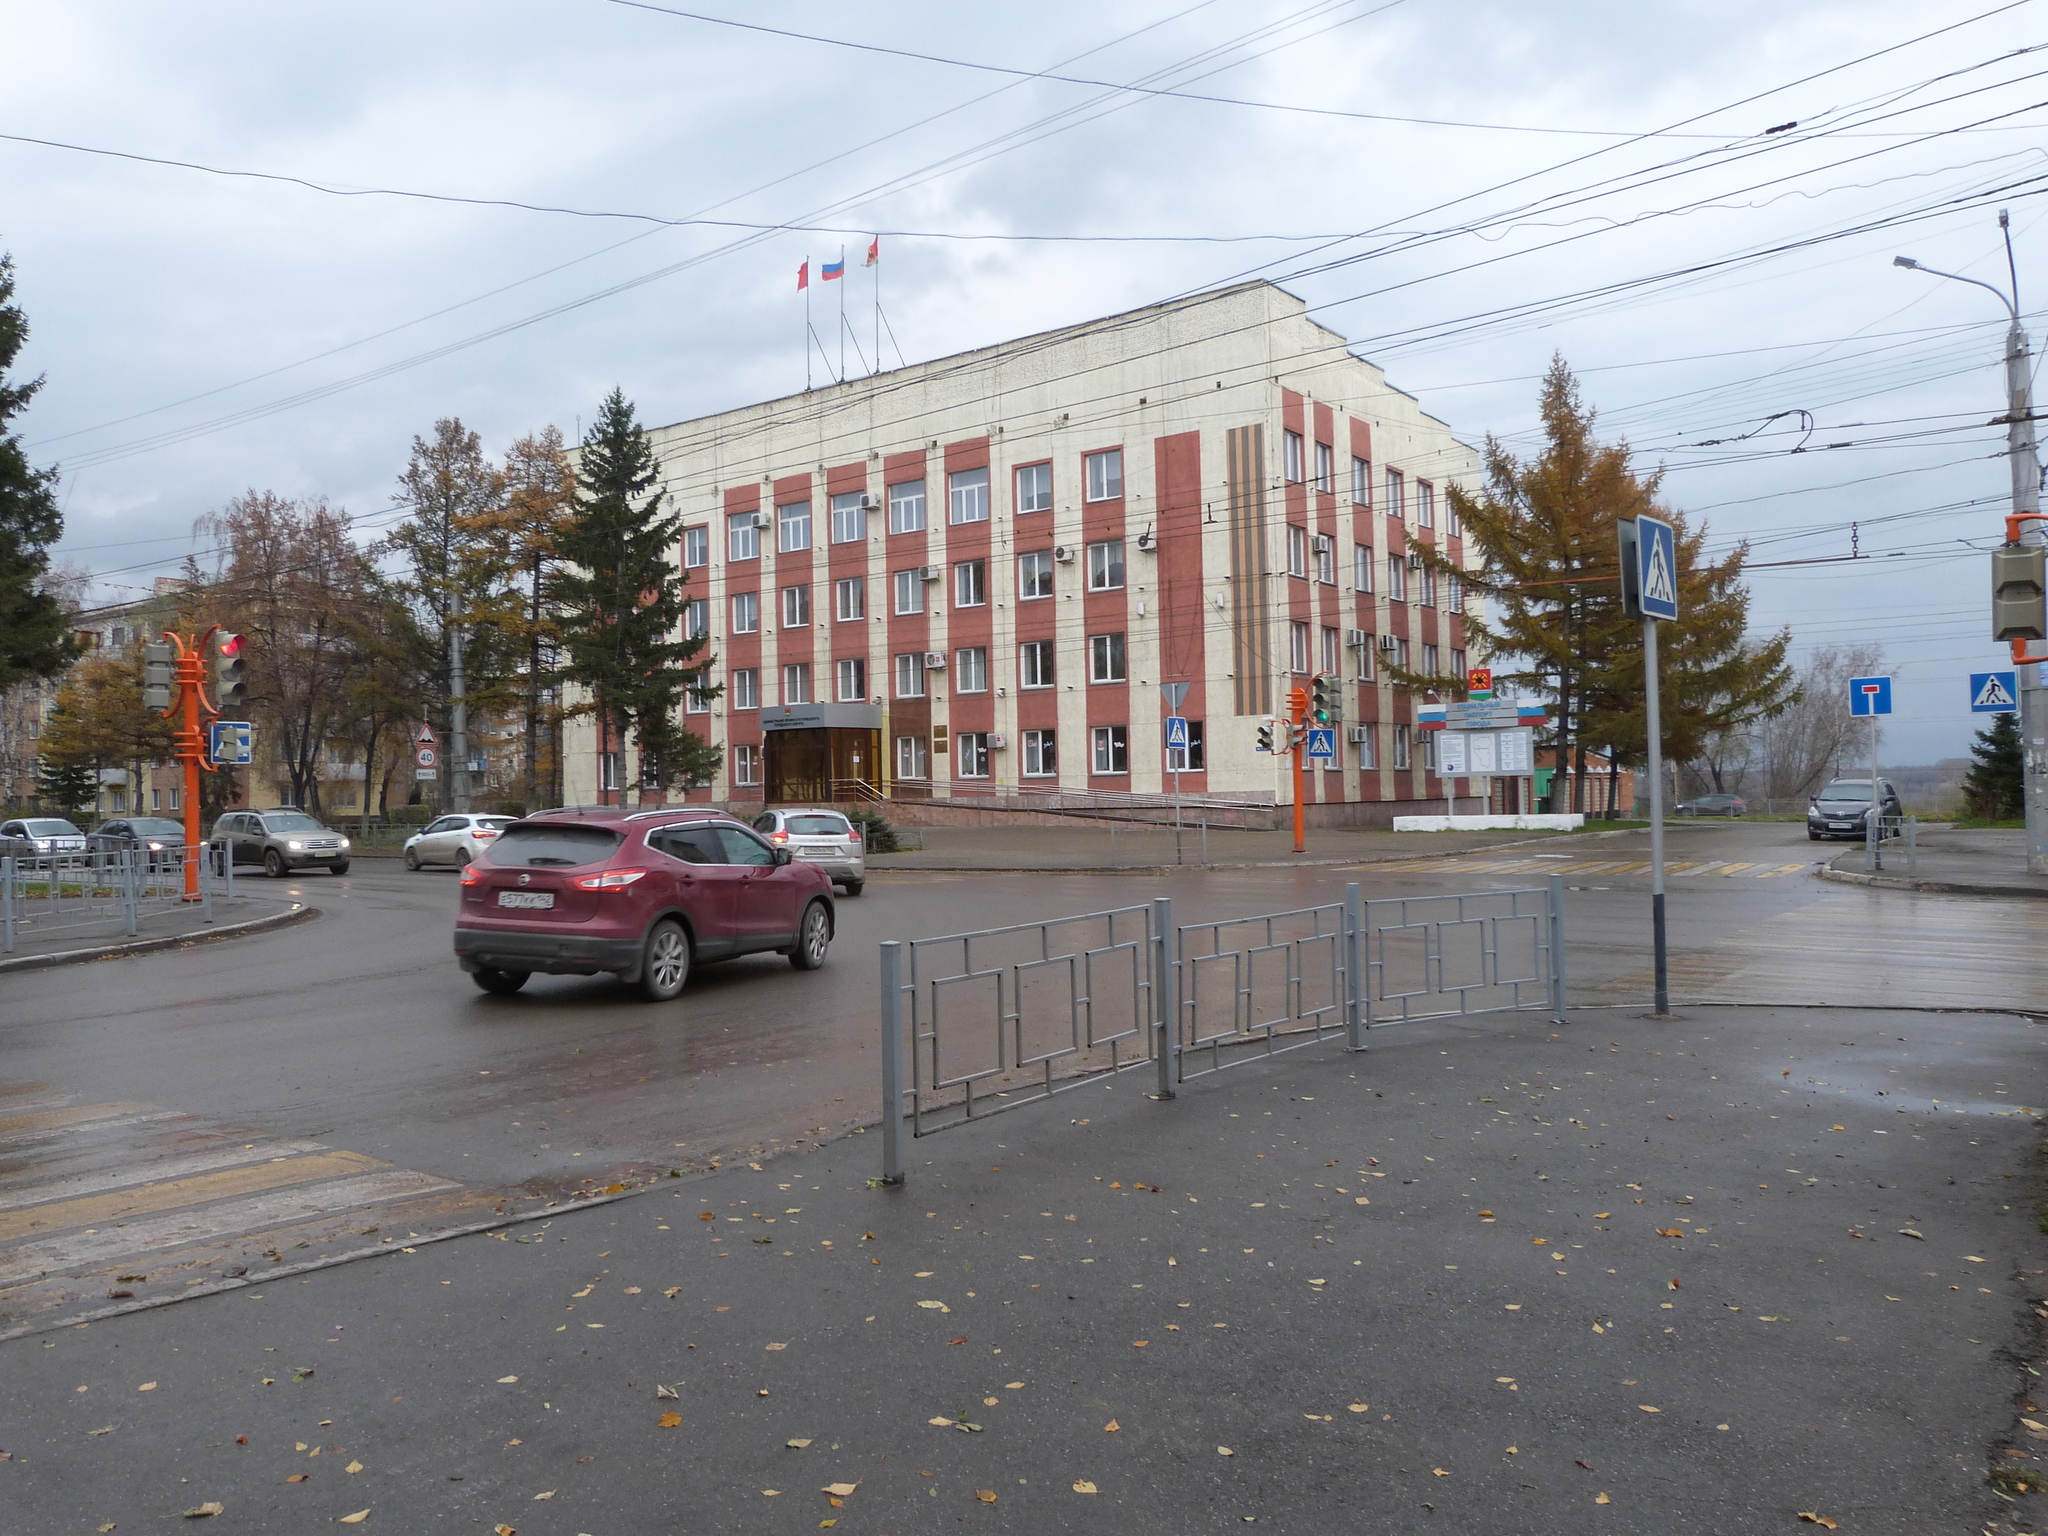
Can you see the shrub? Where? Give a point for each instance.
(875, 831)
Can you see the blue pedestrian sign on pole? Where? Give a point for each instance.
(231, 743)
(1176, 733)
(1322, 743)
(1870, 695)
(1994, 693)
(1656, 568)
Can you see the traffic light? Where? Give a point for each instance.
(230, 675)
(157, 675)
(2019, 592)
(1265, 737)
(1326, 699)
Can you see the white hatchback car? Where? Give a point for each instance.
(454, 839)
(824, 838)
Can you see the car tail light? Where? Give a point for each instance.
(853, 833)
(486, 831)
(610, 880)
(779, 837)
(471, 875)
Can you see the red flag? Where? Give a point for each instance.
(803, 275)
(874, 251)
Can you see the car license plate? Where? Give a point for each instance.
(534, 900)
(1840, 826)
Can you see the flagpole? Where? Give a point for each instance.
(876, 248)
(807, 324)
(842, 313)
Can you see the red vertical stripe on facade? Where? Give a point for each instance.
(1182, 604)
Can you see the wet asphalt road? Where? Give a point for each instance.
(358, 1030)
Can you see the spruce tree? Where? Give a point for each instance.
(34, 639)
(619, 597)
(1992, 788)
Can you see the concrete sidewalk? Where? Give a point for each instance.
(1490, 1276)
(36, 947)
(1983, 862)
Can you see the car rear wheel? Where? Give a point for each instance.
(813, 938)
(412, 860)
(665, 965)
(854, 887)
(273, 863)
(499, 983)
(462, 858)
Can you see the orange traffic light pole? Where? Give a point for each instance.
(1297, 715)
(189, 743)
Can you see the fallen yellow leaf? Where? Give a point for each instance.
(1602, 1215)
(548, 1495)
(502, 1380)
(1821, 1520)
(669, 1420)
(1139, 1343)
(1360, 1407)
(1971, 1258)
(1111, 1427)
(1084, 1486)
(147, 1386)
(943, 1423)
(1671, 1231)
(986, 1495)
(503, 1530)
(1438, 1472)
(1648, 1409)
(796, 1445)
(1603, 1499)
(353, 1468)
(935, 1306)
(355, 1519)
(1224, 1450)
(839, 1490)
(775, 1346)
(201, 1511)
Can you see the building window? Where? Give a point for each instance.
(697, 698)
(156, 799)
(967, 496)
(744, 687)
(1331, 657)
(1034, 488)
(912, 761)
(1368, 749)
(1297, 647)
(174, 799)
(696, 547)
(1290, 458)
(1401, 653)
(1454, 591)
(906, 508)
(796, 607)
(697, 618)
(1452, 527)
(793, 528)
(1194, 758)
(1400, 746)
(1035, 664)
(746, 766)
(910, 674)
(1397, 578)
(742, 536)
(973, 754)
(852, 677)
(1297, 550)
(1106, 566)
(1041, 757)
(1425, 504)
(746, 613)
(1429, 745)
(910, 591)
(1365, 655)
(850, 518)
(1326, 469)
(1361, 482)
(607, 771)
(1326, 560)
(850, 598)
(970, 584)
(796, 683)
(1361, 567)
(1428, 585)
(1106, 658)
(1034, 574)
(970, 669)
(1112, 749)
(1458, 666)
(1429, 660)
(1397, 500)
(1105, 473)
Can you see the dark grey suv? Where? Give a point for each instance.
(280, 840)
(1838, 809)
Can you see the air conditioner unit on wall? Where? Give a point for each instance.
(935, 661)
(1415, 562)
(1358, 735)
(1064, 553)
(870, 502)
(997, 741)
(931, 572)
(764, 519)
(1357, 637)
(1324, 543)
(1389, 643)
(1148, 541)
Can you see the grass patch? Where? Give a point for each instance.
(2017, 1480)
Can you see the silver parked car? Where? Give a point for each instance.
(824, 838)
(36, 835)
(456, 839)
(280, 840)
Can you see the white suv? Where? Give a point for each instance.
(824, 838)
(454, 839)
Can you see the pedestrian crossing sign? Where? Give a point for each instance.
(1657, 568)
(1994, 693)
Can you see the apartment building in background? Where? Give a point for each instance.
(967, 580)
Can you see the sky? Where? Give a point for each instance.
(1462, 188)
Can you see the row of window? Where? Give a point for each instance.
(1328, 654)
(1301, 546)
(967, 501)
(1294, 466)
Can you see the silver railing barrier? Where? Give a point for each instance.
(106, 888)
(1251, 987)
(1879, 830)
(974, 1024)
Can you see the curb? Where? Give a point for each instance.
(169, 941)
(1931, 887)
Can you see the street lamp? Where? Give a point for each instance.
(2026, 499)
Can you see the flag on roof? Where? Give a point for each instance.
(874, 251)
(803, 275)
(829, 270)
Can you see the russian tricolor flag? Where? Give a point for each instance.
(832, 269)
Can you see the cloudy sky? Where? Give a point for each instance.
(1462, 187)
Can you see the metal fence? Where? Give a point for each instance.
(1903, 830)
(51, 892)
(1004, 1017)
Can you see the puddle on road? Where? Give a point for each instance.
(1885, 1092)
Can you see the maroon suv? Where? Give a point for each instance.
(638, 893)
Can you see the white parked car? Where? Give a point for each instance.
(34, 835)
(454, 839)
(824, 838)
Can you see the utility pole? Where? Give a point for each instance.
(2024, 529)
(1297, 731)
(458, 725)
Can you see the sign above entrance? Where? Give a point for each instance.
(813, 717)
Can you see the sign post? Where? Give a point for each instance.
(1872, 696)
(1649, 588)
(1297, 718)
(1172, 695)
